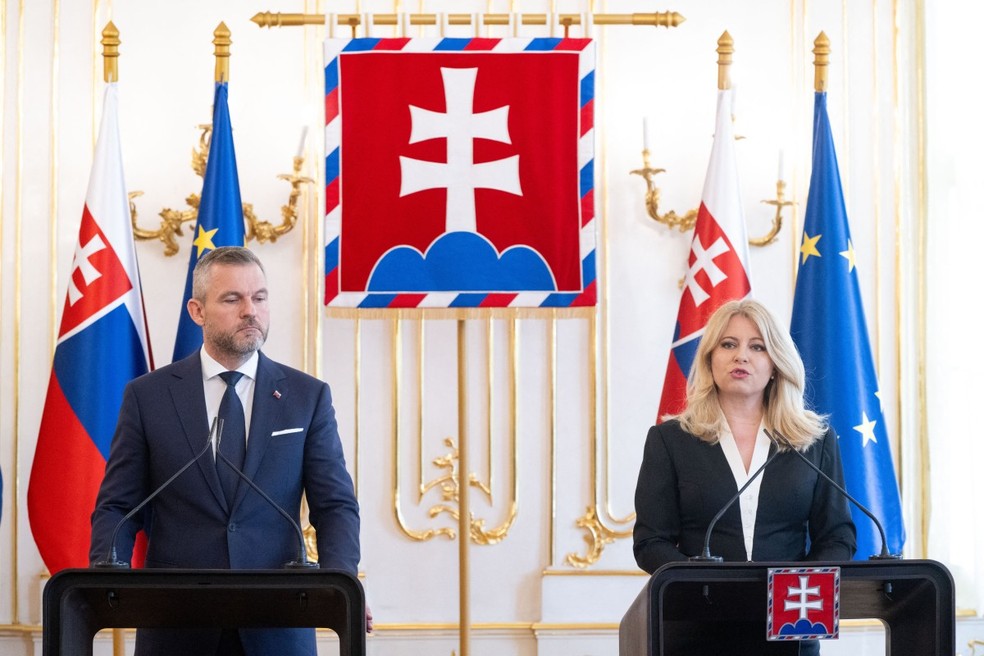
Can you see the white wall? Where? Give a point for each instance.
(586, 390)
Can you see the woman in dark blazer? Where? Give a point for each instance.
(746, 383)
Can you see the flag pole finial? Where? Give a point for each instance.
(821, 51)
(726, 48)
(111, 52)
(222, 42)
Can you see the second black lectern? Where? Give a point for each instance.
(79, 602)
(913, 598)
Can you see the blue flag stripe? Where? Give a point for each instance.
(93, 366)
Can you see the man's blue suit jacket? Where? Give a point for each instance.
(293, 447)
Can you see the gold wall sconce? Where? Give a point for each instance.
(685, 222)
(263, 231)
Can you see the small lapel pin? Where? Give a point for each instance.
(276, 394)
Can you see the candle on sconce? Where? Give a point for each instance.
(300, 144)
(782, 165)
(645, 133)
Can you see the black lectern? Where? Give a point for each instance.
(913, 598)
(79, 602)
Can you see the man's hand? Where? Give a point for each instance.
(368, 620)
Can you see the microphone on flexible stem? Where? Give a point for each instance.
(300, 563)
(884, 555)
(705, 555)
(112, 562)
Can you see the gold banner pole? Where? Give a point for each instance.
(464, 510)
(655, 19)
(111, 73)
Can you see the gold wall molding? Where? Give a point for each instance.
(448, 481)
(597, 538)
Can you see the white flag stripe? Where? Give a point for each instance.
(107, 202)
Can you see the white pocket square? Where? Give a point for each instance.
(286, 431)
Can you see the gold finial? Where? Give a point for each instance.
(821, 51)
(726, 48)
(111, 52)
(222, 43)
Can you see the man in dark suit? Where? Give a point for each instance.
(279, 430)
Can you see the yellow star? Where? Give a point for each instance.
(849, 256)
(867, 429)
(204, 240)
(809, 246)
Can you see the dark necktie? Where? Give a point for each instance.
(233, 444)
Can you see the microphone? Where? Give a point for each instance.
(884, 555)
(300, 563)
(112, 562)
(705, 555)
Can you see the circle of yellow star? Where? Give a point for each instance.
(809, 246)
(204, 240)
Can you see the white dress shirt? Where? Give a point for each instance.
(748, 502)
(215, 387)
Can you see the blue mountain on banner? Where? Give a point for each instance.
(220, 213)
(829, 327)
(804, 628)
(461, 262)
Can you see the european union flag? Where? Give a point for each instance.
(220, 213)
(830, 330)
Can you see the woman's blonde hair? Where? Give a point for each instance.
(785, 411)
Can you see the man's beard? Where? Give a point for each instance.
(238, 344)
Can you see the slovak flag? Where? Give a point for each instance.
(102, 345)
(717, 267)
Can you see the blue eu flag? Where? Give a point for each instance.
(829, 327)
(220, 213)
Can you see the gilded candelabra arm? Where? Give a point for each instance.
(172, 220)
(779, 202)
(671, 219)
(264, 231)
(170, 227)
(199, 156)
(974, 644)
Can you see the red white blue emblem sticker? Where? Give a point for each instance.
(804, 603)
